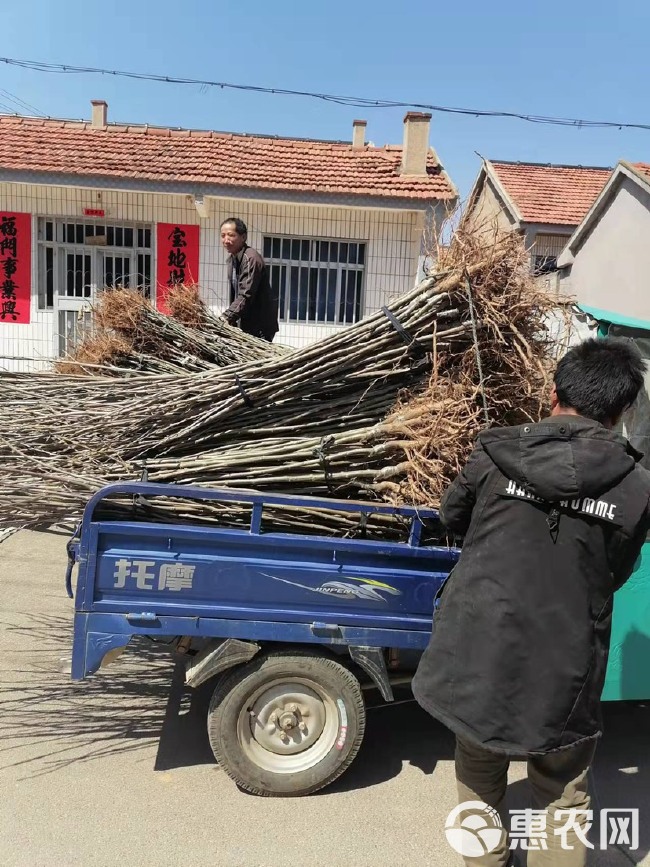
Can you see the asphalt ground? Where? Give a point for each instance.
(117, 769)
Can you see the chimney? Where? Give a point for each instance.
(359, 133)
(416, 143)
(100, 113)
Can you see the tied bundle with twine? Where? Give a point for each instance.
(386, 409)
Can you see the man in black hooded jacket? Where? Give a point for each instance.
(554, 515)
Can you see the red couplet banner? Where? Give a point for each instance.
(177, 252)
(15, 267)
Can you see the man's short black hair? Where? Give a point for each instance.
(240, 225)
(600, 379)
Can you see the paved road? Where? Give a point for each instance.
(117, 770)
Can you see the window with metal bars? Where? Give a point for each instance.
(317, 280)
(74, 257)
(546, 252)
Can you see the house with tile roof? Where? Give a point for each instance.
(605, 267)
(606, 262)
(90, 204)
(544, 202)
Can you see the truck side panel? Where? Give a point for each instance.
(193, 571)
(97, 634)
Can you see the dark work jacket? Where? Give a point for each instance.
(255, 305)
(554, 515)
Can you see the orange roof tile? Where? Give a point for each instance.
(557, 195)
(224, 159)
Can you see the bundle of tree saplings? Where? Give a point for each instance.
(126, 333)
(385, 409)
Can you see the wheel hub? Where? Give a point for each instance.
(289, 724)
(288, 721)
(285, 721)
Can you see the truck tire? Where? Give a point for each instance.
(287, 724)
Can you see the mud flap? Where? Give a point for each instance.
(372, 661)
(213, 660)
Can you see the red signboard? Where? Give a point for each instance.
(94, 212)
(177, 251)
(15, 267)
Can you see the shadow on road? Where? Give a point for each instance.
(621, 773)
(48, 721)
(183, 735)
(396, 734)
(619, 779)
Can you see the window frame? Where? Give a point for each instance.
(546, 250)
(310, 263)
(60, 246)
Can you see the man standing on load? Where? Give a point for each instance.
(254, 304)
(554, 515)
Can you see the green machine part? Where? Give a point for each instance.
(628, 670)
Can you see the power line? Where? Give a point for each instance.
(356, 101)
(20, 102)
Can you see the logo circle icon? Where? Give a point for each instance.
(478, 832)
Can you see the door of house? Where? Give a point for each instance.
(82, 272)
(77, 259)
(77, 283)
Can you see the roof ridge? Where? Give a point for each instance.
(549, 165)
(179, 129)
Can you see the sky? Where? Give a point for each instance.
(571, 59)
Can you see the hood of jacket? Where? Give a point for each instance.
(562, 457)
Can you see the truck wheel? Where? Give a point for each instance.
(287, 723)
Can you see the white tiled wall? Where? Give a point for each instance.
(392, 237)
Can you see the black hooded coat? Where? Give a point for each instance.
(554, 515)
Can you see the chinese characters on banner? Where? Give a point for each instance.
(178, 259)
(15, 267)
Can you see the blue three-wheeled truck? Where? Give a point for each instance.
(289, 628)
